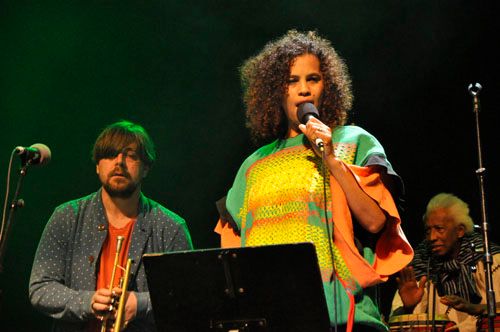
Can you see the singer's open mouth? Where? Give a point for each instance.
(303, 102)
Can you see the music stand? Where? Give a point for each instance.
(267, 288)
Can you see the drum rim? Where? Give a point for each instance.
(414, 318)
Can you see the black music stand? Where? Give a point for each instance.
(267, 288)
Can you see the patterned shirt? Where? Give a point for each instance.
(63, 277)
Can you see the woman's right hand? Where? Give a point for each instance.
(315, 129)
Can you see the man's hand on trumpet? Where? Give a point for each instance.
(104, 302)
(130, 307)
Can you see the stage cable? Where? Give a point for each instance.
(330, 236)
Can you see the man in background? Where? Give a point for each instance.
(71, 276)
(447, 262)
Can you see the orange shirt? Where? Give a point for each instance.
(108, 255)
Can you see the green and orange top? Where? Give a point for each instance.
(277, 198)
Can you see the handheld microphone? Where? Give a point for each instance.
(36, 154)
(305, 112)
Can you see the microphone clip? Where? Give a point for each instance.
(319, 143)
(36, 154)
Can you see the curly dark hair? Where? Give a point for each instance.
(264, 78)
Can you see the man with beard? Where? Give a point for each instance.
(71, 276)
(450, 262)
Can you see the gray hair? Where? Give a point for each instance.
(457, 209)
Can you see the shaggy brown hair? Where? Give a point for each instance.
(264, 78)
(117, 136)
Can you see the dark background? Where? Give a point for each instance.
(68, 70)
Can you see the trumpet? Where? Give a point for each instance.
(119, 323)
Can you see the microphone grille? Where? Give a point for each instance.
(45, 154)
(305, 111)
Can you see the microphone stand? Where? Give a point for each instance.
(16, 203)
(474, 90)
(434, 291)
(5, 228)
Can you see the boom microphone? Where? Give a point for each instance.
(36, 154)
(305, 112)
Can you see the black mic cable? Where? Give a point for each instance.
(330, 237)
